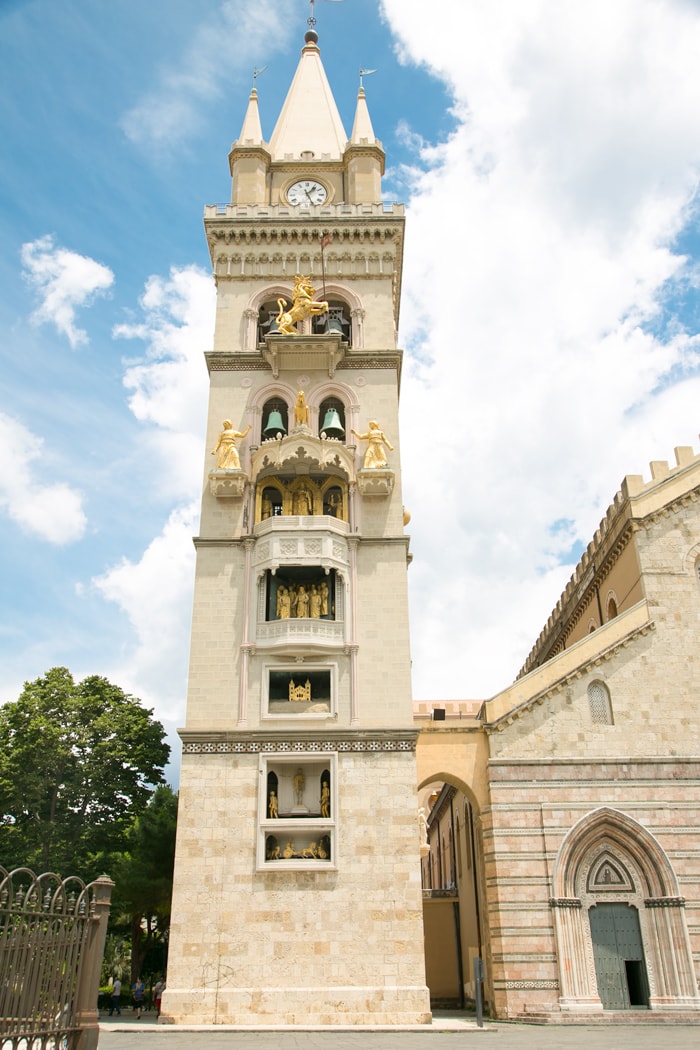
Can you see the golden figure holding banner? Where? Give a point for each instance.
(303, 305)
(375, 455)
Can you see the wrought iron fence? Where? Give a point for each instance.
(52, 934)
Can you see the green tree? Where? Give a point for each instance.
(78, 762)
(144, 883)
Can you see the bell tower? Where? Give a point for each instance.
(297, 893)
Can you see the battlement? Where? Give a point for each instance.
(635, 501)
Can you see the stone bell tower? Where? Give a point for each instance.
(297, 878)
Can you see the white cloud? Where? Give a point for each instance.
(169, 386)
(53, 512)
(220, 49)
(64, 281)
(156, 595)
(539, 262)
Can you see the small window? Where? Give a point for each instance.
(600, 704)
(612, 607)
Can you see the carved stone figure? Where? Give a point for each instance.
(325, 800)
(302, 501)
(298, 782)
(302, 606)
(303, 306)
(226, 451)
(284, 602)
(375, 455)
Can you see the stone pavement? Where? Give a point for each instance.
(447, 1032)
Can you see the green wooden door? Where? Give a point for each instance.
(619, 956)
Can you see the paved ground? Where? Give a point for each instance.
(447, 1032)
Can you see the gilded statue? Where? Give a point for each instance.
(284, 602)
(375, 455)
(228, 458)
(272, 810)
(301, 411)
(325, 800)
(303, 305)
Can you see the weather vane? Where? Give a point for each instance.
(311, 20)
(256, 74)
(365, 73)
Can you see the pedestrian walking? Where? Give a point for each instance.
(138, 990)
(114, 1003)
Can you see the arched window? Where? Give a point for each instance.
(275, 419)
(612, 607)
(337, 320)
(331, 418)
(600, 704)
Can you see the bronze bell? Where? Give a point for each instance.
(275, 424)
(334, 326)
(332, 425)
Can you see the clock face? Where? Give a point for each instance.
(307, 191)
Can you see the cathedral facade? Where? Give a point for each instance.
(564, 837)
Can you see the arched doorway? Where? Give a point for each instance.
(619, 920)
(452, 884)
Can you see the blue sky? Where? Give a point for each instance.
(548, 156)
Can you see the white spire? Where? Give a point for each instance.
(309, 121)
(362, 131)
(251, 132)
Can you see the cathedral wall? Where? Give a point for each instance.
(560, 758)
(305, 933)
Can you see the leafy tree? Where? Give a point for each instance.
(144, 883)
(77, 765)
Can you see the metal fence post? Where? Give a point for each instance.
(86, 1013)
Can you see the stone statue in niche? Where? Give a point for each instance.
(302, 501)
(375, 455)
(272, 810)
(323, 591)
(302, 602)
(298, 783)
(303, 305)
(226, 451)
(315, 603)
(325, 800)
(272, 849)
(284, 602)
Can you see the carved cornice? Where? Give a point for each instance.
(565, 902)
(664, 902)
(223, 742)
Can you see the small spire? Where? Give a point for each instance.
(252, 128)
(362, 130)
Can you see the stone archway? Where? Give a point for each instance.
(451, 790)
(609, 859)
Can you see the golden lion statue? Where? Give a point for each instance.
(303, 306)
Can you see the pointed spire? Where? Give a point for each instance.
(309, 121)
(362, 131)
(251, 132)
